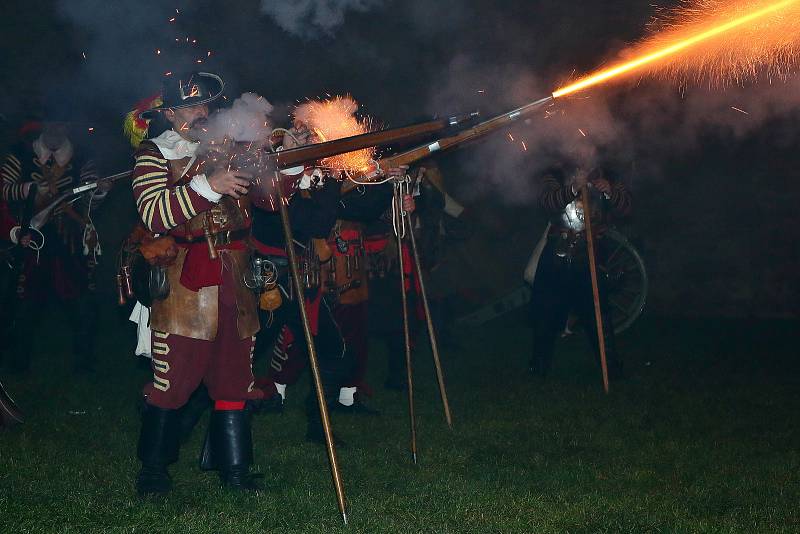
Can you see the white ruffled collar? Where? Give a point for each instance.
(62, 155)
(173, 146)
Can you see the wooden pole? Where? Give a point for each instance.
(398, 224)
(312, 353)
(9, 413)
(431, 330)
(598, 314)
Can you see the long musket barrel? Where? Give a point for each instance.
(479, 130)
(404, 134)
(93, 185)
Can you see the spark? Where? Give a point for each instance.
(524, 146)
(83, 54)
(172, 19)
(168, 73)
(767, 35)
(91, 129)
(335, 118)
(739, 110)
(158, 52)
(511, 137)
(581, 131)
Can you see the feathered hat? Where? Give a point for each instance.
(192, 89)
(136, 126)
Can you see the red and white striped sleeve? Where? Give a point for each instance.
(160, 206)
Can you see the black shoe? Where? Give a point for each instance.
(357, 408)
(158, 447)
(229, 449)
(274, 404)
(153, 481)
(239, 478)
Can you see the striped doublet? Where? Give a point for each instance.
(11, 173)
(161, 204)
(16, 172)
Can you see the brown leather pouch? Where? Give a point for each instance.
(143, 261)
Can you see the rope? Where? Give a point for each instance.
(401, 190)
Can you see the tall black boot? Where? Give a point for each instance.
(229, 449)
(158, 448)
(192, 411)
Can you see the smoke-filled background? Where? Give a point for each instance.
(713, 171)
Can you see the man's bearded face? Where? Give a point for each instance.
(190, 121)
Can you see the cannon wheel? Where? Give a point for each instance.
(626, 280)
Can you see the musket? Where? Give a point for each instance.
(403, 134)
(41, 217)
(261, 164)
(444, 143)
(93, 185)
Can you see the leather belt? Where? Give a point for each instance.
(219, 239)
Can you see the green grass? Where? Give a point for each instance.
(701, 437)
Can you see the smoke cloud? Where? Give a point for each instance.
(649, 124)
(306, 17)
(247, 120)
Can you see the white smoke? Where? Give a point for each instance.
(247, 120)
(305, 17)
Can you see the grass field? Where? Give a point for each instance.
(702, 436)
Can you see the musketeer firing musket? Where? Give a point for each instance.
(204, 322)
(203, 314)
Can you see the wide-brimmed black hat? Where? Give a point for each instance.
(192, 89)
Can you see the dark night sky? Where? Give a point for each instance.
(715, 190)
